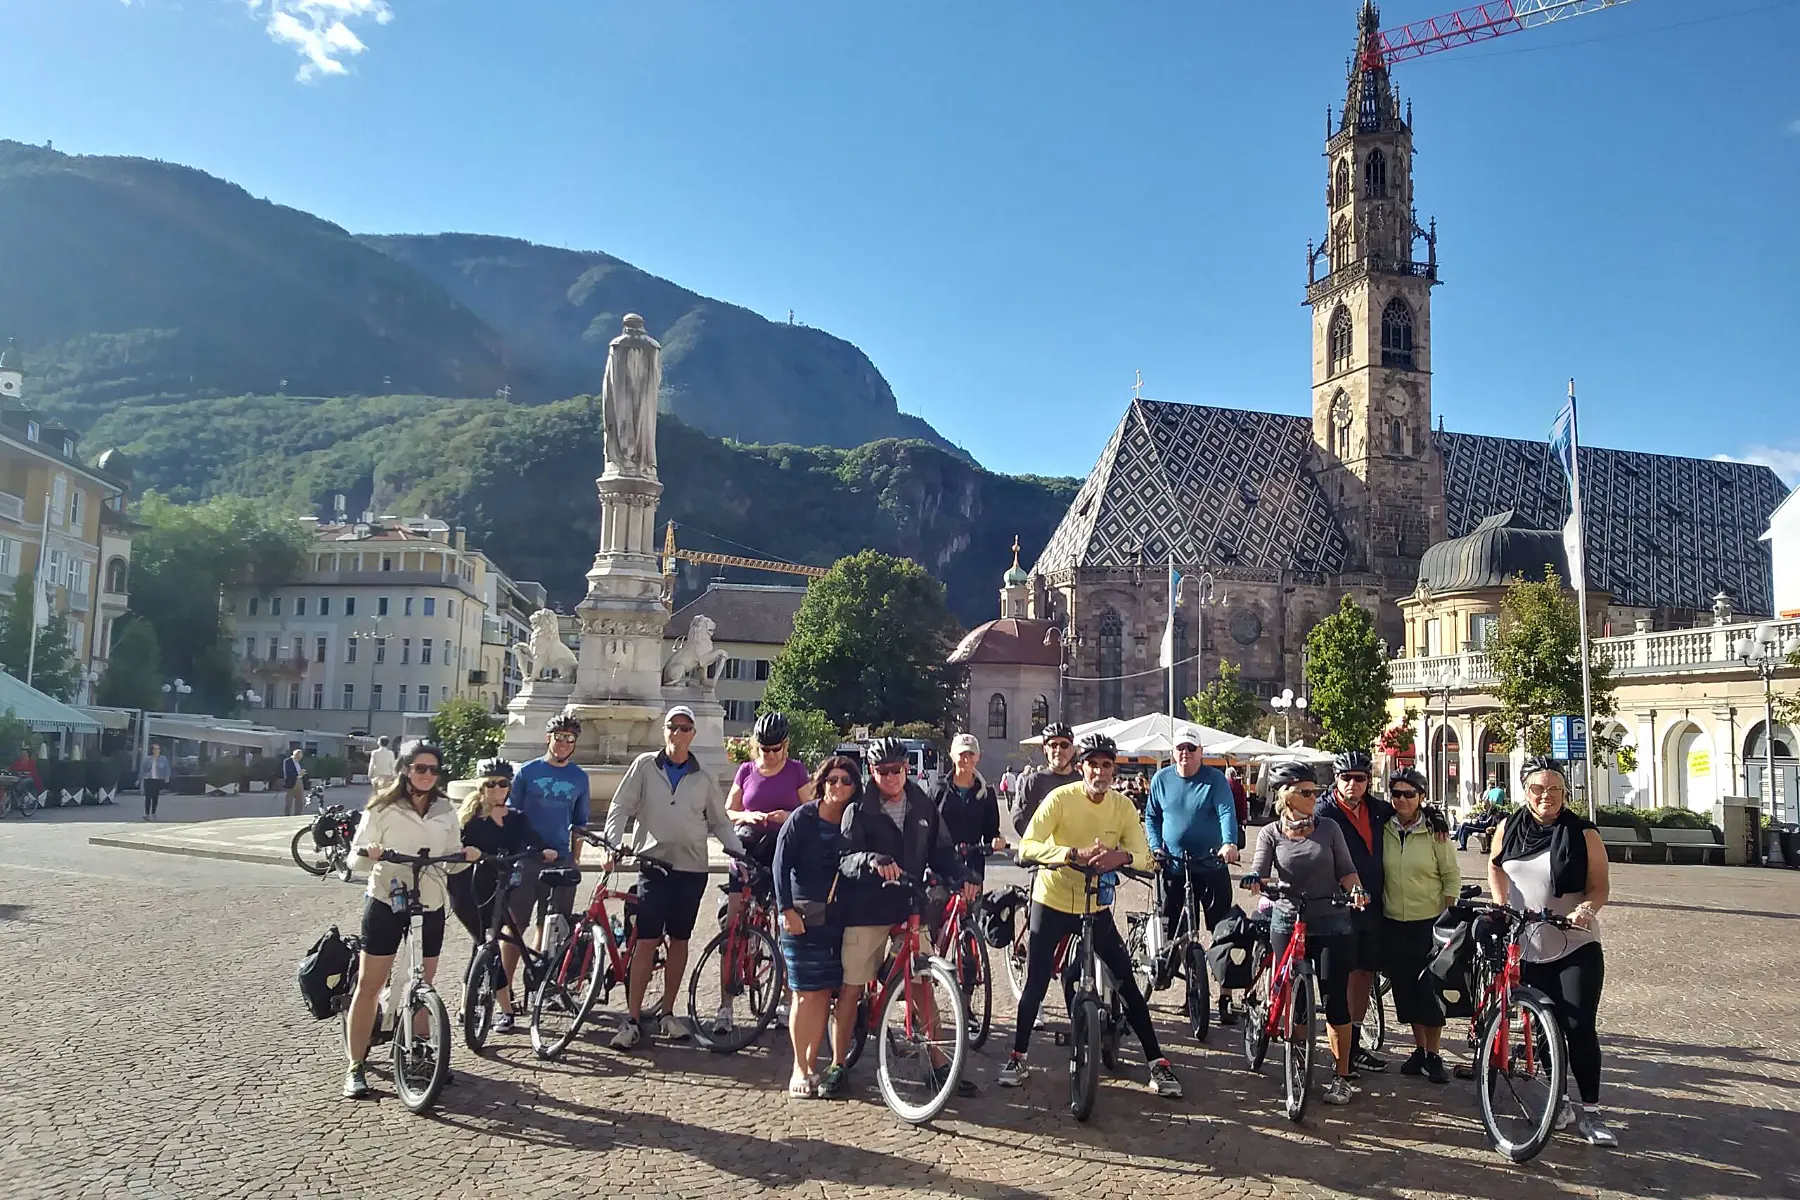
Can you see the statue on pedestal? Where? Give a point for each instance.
(545, 655)
(695, 655)
(628, 400)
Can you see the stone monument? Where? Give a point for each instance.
(620, 688)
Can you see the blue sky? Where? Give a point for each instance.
(1013, 207)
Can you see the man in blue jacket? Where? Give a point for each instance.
(1190, 821)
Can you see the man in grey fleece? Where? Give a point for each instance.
(671, 804)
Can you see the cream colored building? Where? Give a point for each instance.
(752, 623)
(82, 552)
(389, 620)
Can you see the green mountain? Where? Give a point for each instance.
(131, 280)
(522, 480)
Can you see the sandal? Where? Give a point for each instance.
(802, 1088)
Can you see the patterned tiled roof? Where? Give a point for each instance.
(1232, 488)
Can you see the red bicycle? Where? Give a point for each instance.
(1521, 1059)
(1281, 1005)
(959, 942)
(738, 981)
(594, 956)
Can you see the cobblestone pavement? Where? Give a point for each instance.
(155, 1047)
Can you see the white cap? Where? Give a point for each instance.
(1189, 735)
(964, 741)
(680, 710)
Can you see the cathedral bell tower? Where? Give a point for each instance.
(1370, 296)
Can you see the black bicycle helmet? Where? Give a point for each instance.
(1352, 760)
(771, 729)
(563, 722)
(1289, 773)
(494, 768)
(1409, 777)
(888, 750)
(1543, 763)
(1058, 729)
(1096, 745)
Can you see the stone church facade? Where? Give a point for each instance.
(1288, 514)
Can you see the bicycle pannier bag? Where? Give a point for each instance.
(324, 974)
(1451, 968)
(1233, 940)
(999, 917)
(324, 830)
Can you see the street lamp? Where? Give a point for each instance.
(1285, 704)
(89, 677)
(372, 635)
(1440, 681)
(1765, 653)
(175, 689)
(251, 698)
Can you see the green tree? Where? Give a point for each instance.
(468, 732)
(15, 735)
(133, 676)
(54, 669)
(1347, 675)
(868, 646)
(1225, 703)
(1536, 657)
(811, 735)
(184, 558)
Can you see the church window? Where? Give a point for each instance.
(1396, 439)
(1396, 334)
(1375, 175)
(997, 717)
(1112, 665)
(1342, 333)
(1040, 714)
(1340, 192)
(1340, 245)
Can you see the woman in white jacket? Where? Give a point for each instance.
(411, 816)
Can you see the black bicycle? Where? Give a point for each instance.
(19, 798)
(321, 847)
(1155, 962)
(485, 978)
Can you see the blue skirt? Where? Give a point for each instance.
(814, 959)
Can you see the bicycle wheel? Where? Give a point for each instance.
(977, 984)
(1256, 1013)
(308, 856)
(1521, 1070)
(1016, 957)
(1374, 1022)
(421, 1069)
(1084, 1058)
(478, 996)
(859, 1029)
(913, 1085)
(1302, 1033)
(734, 989)
(1199, 992)
(1114, 1013)
(1137, 945)
(566, 995)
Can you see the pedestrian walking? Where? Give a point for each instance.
(152, 774)
(293, 785)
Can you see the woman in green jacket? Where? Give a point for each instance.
(1421, 880)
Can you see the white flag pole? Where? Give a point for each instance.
(39, 602)
(1578, 569)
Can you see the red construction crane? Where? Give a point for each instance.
(1475, 24)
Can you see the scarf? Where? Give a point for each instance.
(1565, 838)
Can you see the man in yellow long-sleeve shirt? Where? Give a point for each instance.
(1086, 824)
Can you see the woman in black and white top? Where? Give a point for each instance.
(1547, 857)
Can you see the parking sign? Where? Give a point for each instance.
(1568, 737)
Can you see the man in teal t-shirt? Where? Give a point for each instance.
(1190, 821)
(552, 793)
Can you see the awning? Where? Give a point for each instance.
(46, 714)
(111, 718)
(216, 731)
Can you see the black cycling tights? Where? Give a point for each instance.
(1573, 983)
(1048, 928)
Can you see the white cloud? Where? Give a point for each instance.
(1784, 461)
(1793, 126)
(319, 30)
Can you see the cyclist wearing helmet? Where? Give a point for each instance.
(552, 792)
(1363, 817)
(1089, 824)
(1059, 771)
(891, 829)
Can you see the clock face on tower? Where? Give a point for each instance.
(1340, 411)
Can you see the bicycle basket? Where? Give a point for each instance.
(1451, 968)
(999, 917)
(560, 877)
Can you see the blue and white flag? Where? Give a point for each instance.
(1565, 445)
(1166, 659)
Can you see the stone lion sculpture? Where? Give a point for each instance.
(694, 654)
(545, 656)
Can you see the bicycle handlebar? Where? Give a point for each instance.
(1520, 917)
(1088, 869)
(421, 859)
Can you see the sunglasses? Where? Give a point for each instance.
(1059, 744)
(1309, 793)
(840, 781)
(425, 769)
(1354, 778)
(1186, 749)
(496, 783)
(564, 737)
(894, 770)
(1403, 793)
(681, 729)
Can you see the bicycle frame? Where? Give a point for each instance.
(898, 973)
(752, 914)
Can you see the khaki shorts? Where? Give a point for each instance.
(864, 948)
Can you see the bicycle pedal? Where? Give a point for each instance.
(1062, 1037)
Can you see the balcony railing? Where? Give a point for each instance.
(12, 507)
(1631, 654)
(280, 668)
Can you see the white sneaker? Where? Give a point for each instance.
(721, 1022)
(1338, 1091)
(1595, 1130)
(672, 1028)
(1566, 1115)
(1013, 1072)
(628, 1035)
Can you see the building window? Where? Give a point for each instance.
(74, 496)
(405, 651)
(318, 695)
(381, 651)
(733, 669)
(431, 606)
(349, 696)
(9, 556)
(1343, 334)
(762, 670)
(425, 652)
(350, 649)
(1434, 638)
(324, 606)
(293, 695)
(115, 580)
(31, 431)
(1396, 334)
(1482, 629)
(1040, 714)
(1396, 438)
(349, 606)
(381, 606)
(375, 697)
(1340, 192)
(449, 609)
(1112, 665)
(68, 447)
(406, 606)
(250, 648)
(387, 562)
(1375, 175)
(997, 717)
(251, 607)
(402, 697)
(319, 648)
(299, 606)
(1340, 245)
(274, 606)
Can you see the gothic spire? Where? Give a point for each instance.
(1369, 102)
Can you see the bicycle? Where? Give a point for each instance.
(911, 1024)
(1155, 964)
(1280, 1005)
(1375, 1023)
(322, 846)
(581, 975)
(486, 973)
(20, 799)
(743, 963)
(1521, 1063)
(1096, 1015)
(421, 1063)
(959, 942)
